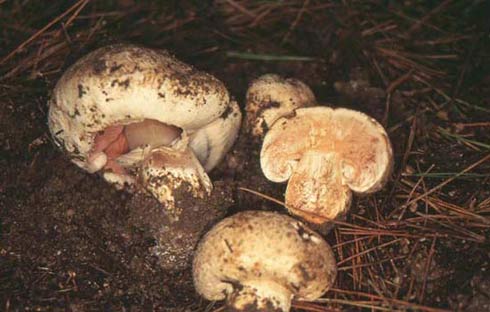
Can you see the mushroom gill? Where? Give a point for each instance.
(326, 154)
(118, 140)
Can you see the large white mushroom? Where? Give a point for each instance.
(326, 154)
(260, 261)
(142, 117)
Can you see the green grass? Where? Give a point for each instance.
(271, 57)
(462, 139)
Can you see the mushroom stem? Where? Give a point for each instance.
(166, 172)
(315, 190)
(260, 296)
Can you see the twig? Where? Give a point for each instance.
(473, 124)
(369, 250)
(427, 267)
(42, 30)
(441, 185)
(271, 57)
(428, 16)
(240, 8)
(396, 301)
(296, 21)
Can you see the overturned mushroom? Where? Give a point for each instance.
(260, 261)
(325, 154)
(270, 97)
(145, 121)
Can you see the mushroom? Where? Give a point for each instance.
(260, 261)
(143, 118)
(270, 97)
(326, 154)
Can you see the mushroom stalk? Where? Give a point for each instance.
(315, 190)
(166, 171)
(257, 295)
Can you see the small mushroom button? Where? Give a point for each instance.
(270, 97)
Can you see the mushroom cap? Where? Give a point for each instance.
(325, 153)
(123, 84)
(264, 250)
(270, 97)
(212, 142)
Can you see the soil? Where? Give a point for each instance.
(71, 242)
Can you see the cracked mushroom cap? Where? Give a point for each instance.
(112, 108)
(325, 154)
(270, 97)
(260, 261)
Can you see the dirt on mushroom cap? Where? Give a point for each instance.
(270, 97)
(255, 245)
(122, 84)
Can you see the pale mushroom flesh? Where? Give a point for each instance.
(326, 154)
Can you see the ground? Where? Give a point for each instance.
(71, 242)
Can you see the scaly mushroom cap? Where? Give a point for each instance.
(270, 97)
(260, 260)
(325, 154)
(115, 106)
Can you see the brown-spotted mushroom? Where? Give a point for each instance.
(142, 117)
(326, 154)
(270, 97)
(260, 261)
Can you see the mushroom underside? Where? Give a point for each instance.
(326, 154)
(113, 146)
(125, 145)
(361, 147)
